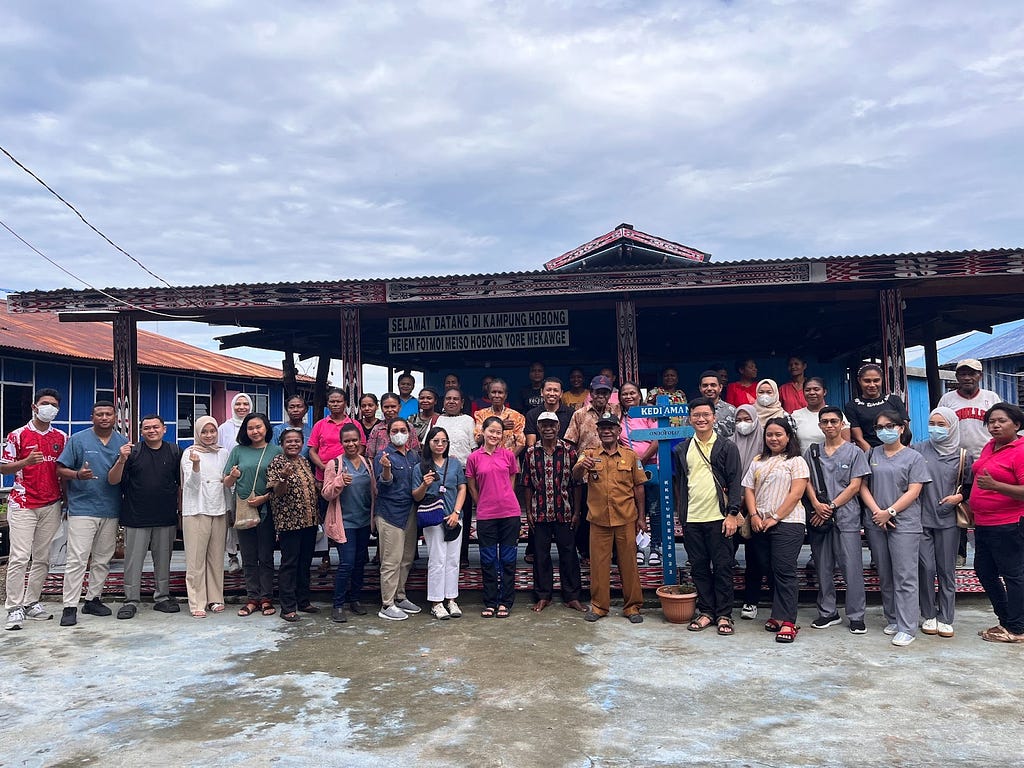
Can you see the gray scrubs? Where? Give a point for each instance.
(841, 542)
(941, 537)
(896, 549)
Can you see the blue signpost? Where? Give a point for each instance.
(667, 436)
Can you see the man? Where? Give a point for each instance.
(531, 397)
(93, 508)
(410, 405)
(615, 506)
(149, 476)
(709, 479)
(33, 508)
(552, 511)
(513, 421)
(710, 386)
(551, 402)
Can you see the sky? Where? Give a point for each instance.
(222, 142)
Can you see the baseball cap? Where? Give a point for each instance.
(601, 382)
(608, 420)
(970, 362)
(547, 416)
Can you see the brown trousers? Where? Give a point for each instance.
(602, 538)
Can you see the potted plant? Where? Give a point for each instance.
(678, 602)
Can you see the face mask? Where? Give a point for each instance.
(745, 427)
(765, 400)
(47, 413)
(937, 434)
(888, 436)
(400, 438)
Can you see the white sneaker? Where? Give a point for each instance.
(408, 605)
(37, 612)
(902, 639)
(890, 629)
(233, 565)
(392, 613)
(453, 609)
(945, 630)
(15, 618)
(438, 612)
(930, 626)
(748, 611)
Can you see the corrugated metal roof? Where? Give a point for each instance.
(1007, 345)
(45, 334)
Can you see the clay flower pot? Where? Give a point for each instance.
(678, 602)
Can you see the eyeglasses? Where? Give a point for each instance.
(439, 441)
(829, 421)
(880, 427)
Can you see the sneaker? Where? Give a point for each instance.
(857, 627)
(635, 618)
(930, 626)
(338, 614)
(15, 618)
(233, 565)
(392, 613)
(655, 558)
(749, 611)
(824, 622)
(407, 605)
(38, 612)
(357, 608)
(890, 629)
(902, 639)
(453, 609)
(167, 606)
(438, 612)
(95, 607)
(945, 630)
(69, 617)
(127, 611)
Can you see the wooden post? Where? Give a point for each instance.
(625, 323)
(931, 367)
(323, 369)
(289, 374)
(126, 376)
(894, 358)
(351, 357)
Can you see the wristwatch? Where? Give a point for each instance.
(775, 517)
(832, 506)
(891, 511)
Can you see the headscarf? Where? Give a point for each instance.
(952, 443)
(201, 422)
(773, 411)
(749, 445)
(234, 419)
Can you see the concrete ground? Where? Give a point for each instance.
(532, 690)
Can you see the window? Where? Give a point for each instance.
(190, 408)
(15, 407)
(105, 394)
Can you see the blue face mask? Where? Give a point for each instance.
(937, 434)
(888, 436)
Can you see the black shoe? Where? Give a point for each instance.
(309, 608)
(591, 616)
(167, 606)
(357, 608)
(338, 615)
(822, 622)
(857, 627)
(127, 611)
(69, 617)
(95, 607)
(635, 618)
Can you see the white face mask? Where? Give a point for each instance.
(765, 400)
(47, 412)
(745, 427)
(400, 438)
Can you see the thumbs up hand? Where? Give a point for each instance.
(85, 473)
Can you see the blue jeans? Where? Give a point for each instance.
(348, 579)
(499, 548)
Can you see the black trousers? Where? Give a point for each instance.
(710, 553)
(296, 557)
(776, 552)
(257, 548)
(568, 561)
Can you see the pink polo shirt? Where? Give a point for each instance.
(1006, 466)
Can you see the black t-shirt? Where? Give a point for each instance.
(150, 486)
(563, 413)
(862, 413)
(529, 398)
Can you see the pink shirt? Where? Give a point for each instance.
(1006, 466)
(494, 475)
(326, 438)
(629, 423)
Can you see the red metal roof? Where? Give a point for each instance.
(45, 334)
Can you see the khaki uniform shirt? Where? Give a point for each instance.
(610, 484)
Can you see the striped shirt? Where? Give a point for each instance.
(771, 481)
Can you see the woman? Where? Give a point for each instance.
(460, 427)
(791, 394)
(349, 483)
(323, 441)
(295, 409)
(422, 421)
(227, 436)
(893, 525)
(861, 411)
(775, 482)
(669, 387)
(949, 467)
(749, 440)
(744, 391)
(393, 469)
(998, 504)
(378, 439)
(293, 505)
(246, 472)
(768, 405)
(808, 431)
(491, 475)
(441, 476)
(368, 413)
(204, 501)
(647, 451)
(576, 395)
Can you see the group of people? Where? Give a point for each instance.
(767, 465)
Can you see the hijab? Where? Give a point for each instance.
(773, 411)
(749, 445)
(201, 422)
(952, 442)
(234, 419)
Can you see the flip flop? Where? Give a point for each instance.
(1001, 635)
(267, 608)
(487, 613)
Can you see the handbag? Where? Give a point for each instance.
(247, 516)
(964, 515)
(820, 489)
(430, 511)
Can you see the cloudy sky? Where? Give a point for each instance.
(225, 141)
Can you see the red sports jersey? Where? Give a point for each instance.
(35, 485)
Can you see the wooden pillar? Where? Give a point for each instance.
(351, 357)
(323, 369)
(126, 376)
(931, 367)
(894, 359)
(629, 359)
(289, 374)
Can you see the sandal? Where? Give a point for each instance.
(248, 609)
(198, 614)
(655, 558)
(787, 632)
(292, 616)
(1000, 634)
(772, 625)
(501, 613)
(487, 613)
(701, 623)
(267, 608)
(725, 626)
(215, 607)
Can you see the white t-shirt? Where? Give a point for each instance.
(971, 413)
(807, 429)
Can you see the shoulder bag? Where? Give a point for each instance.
(430, 511)
(964, 515)
(820, 489)
(246, 515)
